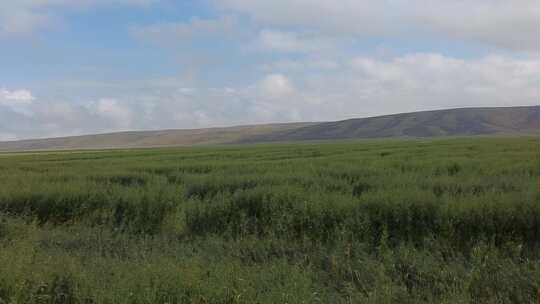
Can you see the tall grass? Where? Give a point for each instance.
(441, 221)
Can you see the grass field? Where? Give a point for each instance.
(439, 221)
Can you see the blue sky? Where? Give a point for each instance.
(70, 67)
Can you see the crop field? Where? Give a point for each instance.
(415, 221)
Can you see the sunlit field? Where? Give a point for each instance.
(438, 221)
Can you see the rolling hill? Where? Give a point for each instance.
(454, 122)
(142, 139)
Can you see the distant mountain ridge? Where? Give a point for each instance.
(439, 123)
(143, 139)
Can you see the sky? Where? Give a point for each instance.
(72, 67)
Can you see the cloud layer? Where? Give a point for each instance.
(505, 24)
(363, 87)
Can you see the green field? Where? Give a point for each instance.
(438, 221)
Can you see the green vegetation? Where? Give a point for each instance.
(438, 221)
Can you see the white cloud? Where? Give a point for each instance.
(15, 97)
(433, 81)
(301, 65)
(16, 21)
(26, 16)
(365, 86)
(506, 24)
(295, 42)
(17, 101)
(178, 31)
(119, 115)
(276, 86)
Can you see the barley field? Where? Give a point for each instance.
(389, 221)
